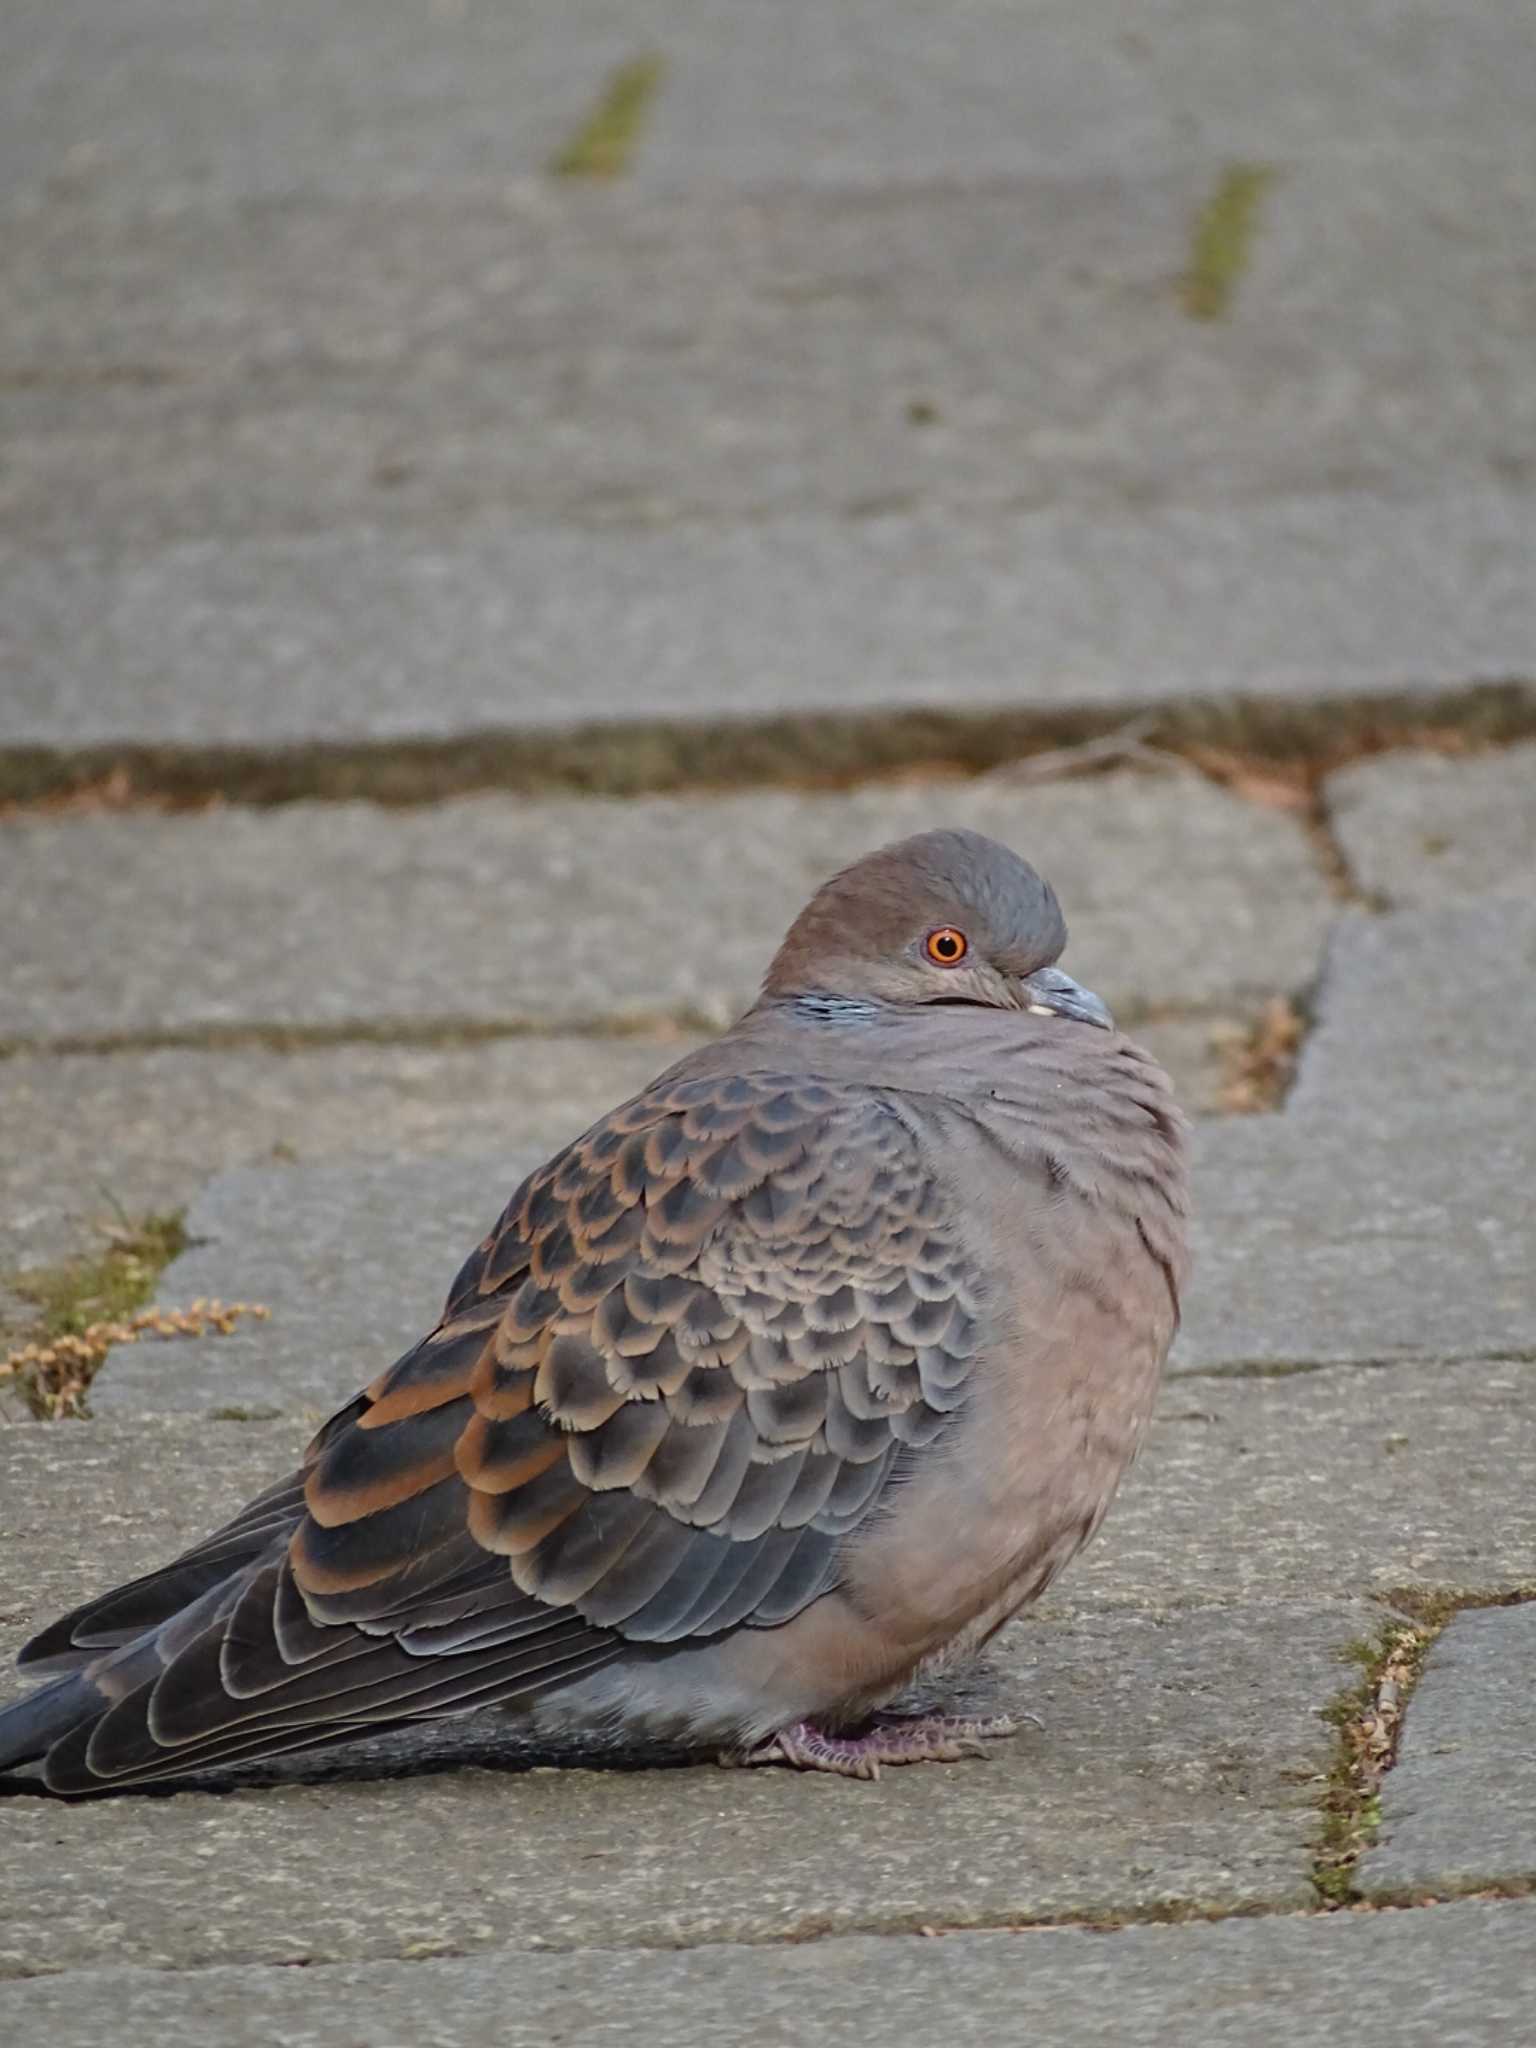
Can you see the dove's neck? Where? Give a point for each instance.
(849, 1010)
(954, 1050)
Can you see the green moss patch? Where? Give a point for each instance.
(1368, 1719)
(604, 145)
(87, 1305)
(106, 1286)
(1221, 243)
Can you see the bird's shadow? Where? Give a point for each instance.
(405, 1754)
(482, 1742)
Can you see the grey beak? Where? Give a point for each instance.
(1049, 989)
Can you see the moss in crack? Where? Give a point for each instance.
(1258, 1059)
(1221, 243)
(77, 1299)
(1367, 1717)
(1265, 748)
(107, 1285)
(86, 1305)
(605, 143)
(1431, 1607)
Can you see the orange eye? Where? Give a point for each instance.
(946, 947)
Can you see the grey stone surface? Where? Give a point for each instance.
(271, 466)
(1176, 1765)
(1340, 1481)
(1198, 1052)
(1433, 828)
(1459, 1808)
(84, 1502)
(1336, 1481)
(200, 376)
(1388, 1981)
(496, 909)
(1316, 1244)
(152, 101)
(1424, 1007)
(1323, 1239)
(92, 1140)
(361, 635)
(353, 1260)
(1385, 1213)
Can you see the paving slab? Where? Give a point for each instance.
(1323, 1239)
(1458, 1810)
(353, 1261)
(309, 397)
(1381, 1215)
(352, 1254)
(1319, 1485)
(152, 102)
(328, 637)
(1417, 1478)
(1420, 1006)
(1333, 1483)
(268, 469)
(92, 1139)
(876, 93)
(496, 909)
(1433, 828)
(1389, 1980)
(633, 362)
(1139, 1795)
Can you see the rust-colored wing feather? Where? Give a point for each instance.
(682, 1368)
(712, 1325)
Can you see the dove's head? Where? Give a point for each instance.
(945, 917)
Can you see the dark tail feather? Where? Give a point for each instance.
(126, 1612)
(80, 1698)
(30, 1726)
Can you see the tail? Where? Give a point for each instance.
(30, 1727)
(224, 1656)
(106, 1647)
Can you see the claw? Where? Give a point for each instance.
(930, 1738)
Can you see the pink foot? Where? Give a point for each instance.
(929, 1739)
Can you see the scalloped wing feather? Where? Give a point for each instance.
(678, 1374)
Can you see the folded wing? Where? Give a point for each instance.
(690, 1359)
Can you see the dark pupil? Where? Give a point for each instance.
(948, 945)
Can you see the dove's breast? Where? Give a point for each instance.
(1075, 1193)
